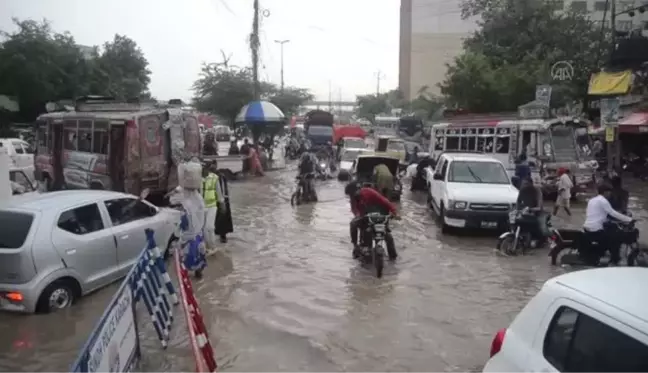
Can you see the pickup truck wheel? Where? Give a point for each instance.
(444, 227)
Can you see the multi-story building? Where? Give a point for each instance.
(432, 34)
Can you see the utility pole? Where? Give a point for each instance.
(379, 76)
(613, 146)
(339, 101)
(254, 47)
(281, 43)
(330, 98)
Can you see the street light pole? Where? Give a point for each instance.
(281, 43)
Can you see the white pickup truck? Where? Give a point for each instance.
(470, 190)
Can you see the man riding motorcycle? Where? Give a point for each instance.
(307, 164)
(530, 197)
(596, 229)
(365, 200)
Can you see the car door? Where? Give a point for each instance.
(85, 242)
(129, 218)
(438, 185)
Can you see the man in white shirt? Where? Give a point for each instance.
(596, 215)
(564, 185)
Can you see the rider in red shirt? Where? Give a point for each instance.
(365, 200)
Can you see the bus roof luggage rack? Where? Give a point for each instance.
(106, 103)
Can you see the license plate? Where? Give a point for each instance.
(379, 228)
(488, 224)
(552, 244)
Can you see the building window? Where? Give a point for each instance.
(579, 6)
(600, 6)
(558, 4)
(626, 5)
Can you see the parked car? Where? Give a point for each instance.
(363, 170)
(56, 247)
(22, 181)
(586, 321)
(20, 152)
(470, 190)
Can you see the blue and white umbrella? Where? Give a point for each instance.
(260, 112)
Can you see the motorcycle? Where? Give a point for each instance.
(567, 245)
(518, 239)
(305, 191)
(373, 240)
(323, 170)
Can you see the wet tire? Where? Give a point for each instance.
(58, 295)
(637, 258)
(507, 245)
(378, 259)
(445, 228)
(296, 199)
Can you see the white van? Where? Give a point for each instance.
(470, 190)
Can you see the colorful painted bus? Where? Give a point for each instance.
(104, 144)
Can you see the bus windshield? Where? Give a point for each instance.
(477, 172)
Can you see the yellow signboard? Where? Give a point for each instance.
(608, 83)
(609, 134)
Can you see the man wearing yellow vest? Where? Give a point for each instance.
(212, 198)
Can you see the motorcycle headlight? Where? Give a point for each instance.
(459, 205)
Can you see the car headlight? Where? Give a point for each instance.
(458, 205)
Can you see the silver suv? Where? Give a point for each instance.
(56, 247)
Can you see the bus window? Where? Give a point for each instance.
(468, 139)
(100, 138)
(452, 143)
(438, 143)
(70, 135)
(502, 146)
(485, 140)
(84, 136)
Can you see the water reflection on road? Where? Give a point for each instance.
(285, 295)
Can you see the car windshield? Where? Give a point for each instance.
(396, 145)
(320, 131)
(350, 156)
(354, 143)
(477, 172)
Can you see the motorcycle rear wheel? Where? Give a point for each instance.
(296, 198)
(638, 258)
(378, 259)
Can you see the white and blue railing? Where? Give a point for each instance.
(114, 345)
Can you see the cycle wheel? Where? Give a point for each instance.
(378, 259)
(507, 245)
(295, 199)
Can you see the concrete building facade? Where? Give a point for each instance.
(432, 34)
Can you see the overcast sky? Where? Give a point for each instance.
(342, 41)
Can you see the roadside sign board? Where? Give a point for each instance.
(609, 134)
(543, 94)
(610, 112)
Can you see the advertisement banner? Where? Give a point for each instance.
(114, 349)
(610, 112)
(610, 83)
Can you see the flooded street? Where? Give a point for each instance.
(285, 295)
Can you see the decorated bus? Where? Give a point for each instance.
(548, 144)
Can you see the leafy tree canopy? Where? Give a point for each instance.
(513, 50)
(423, 106)
(38, 65)
(223, 90)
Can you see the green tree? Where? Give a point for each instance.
(513, 50)
(369, 106)
(290, 99)
(121, 70)
(38, 65)
(425, 105)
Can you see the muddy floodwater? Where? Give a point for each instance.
(285, 295)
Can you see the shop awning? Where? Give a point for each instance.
(634, 123)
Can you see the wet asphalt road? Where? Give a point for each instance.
(285, 295)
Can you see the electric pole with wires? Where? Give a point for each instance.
(379, 77)
(281, 43)
(254, 47)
